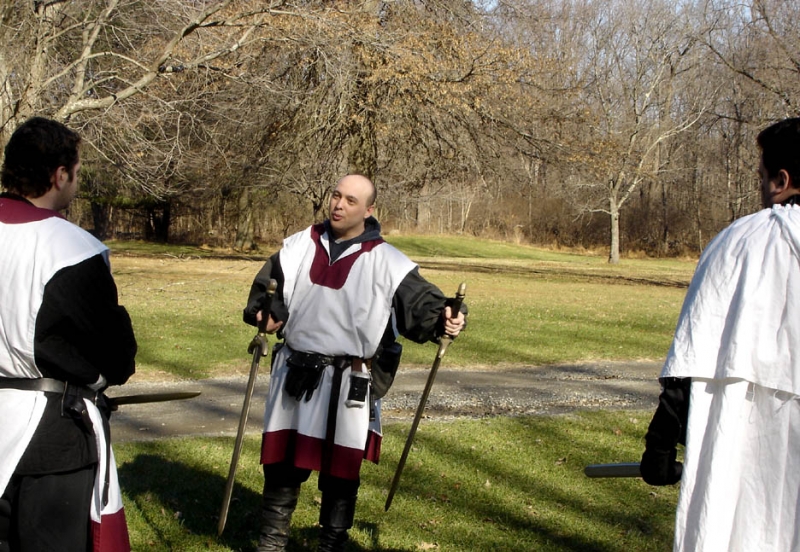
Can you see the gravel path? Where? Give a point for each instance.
(499, 391)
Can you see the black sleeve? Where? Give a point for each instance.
(81, 330)
(418, 307)
(667, 430)
(258, 292)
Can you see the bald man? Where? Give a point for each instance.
(343, 297)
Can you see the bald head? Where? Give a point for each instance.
(352, 202)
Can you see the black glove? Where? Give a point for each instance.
(303, 380)
(667, 429)
(659, 467)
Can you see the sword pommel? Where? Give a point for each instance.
(460, 294)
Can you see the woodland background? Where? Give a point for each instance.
(627, 125)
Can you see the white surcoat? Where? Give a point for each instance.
(738, 338)
(33, 252)
(336, 309)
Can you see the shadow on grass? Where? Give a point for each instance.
(529, 490)
(173, 499)
(178, 504)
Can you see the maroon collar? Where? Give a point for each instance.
(18, 210)
(334, 274)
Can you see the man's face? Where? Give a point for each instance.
(350, 206)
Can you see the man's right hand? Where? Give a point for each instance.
(272, 326)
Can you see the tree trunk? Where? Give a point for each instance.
(664, 219)
(613, 255)
(244, 240)
(157, 222)
(101, 217)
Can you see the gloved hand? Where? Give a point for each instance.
(666, 430)
(659, 467)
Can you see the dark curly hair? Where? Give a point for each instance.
(780, 149)
(33, 154)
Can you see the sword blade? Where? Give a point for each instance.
(259, 348)
(624, 469)
(443, 344)
(413, 431)
(150, 398)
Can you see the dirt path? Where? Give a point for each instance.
(456, 393)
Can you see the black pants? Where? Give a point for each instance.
(47, 512)
(284, 474)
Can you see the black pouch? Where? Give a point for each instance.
(304, 376)
(357, 394)
(384, 369)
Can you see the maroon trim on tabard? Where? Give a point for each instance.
(111, 534)
(15, 211)
(334, 275)
(277, 446)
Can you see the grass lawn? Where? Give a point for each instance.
(500, 484)
(530, 307)
(504, 484)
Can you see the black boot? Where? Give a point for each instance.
(276, 514)
(335, 517)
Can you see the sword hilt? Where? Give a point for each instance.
(271, 287)
(259, 340)
(455, 307)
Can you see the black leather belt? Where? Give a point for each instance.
(316, 359)
(47, 385)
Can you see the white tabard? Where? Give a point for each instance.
(38, 243)
(336, 309)
(738, 338)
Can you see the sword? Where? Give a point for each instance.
(258, 348)
(116, 402)
(443, 344)
(624, 469)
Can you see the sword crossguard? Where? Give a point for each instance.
(259, 341)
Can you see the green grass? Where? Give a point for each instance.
(527, 306)
(500, 484)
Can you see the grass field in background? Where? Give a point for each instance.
(527, 306)
(494, 484)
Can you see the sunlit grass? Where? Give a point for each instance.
(503, 484)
